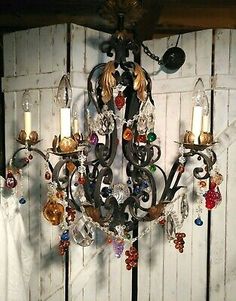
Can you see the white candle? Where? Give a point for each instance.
(205, 123)
(75, 126)
(197, 122)
(65, 123)
(27, 118)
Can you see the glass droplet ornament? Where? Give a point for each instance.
(120, 100)
(152, 168)
(93, 139)
(65, 235)
(198, 221)
(47, 176)
(53, 212)
(127, 134)
(151, 137)
(11, 181)
(22, 200)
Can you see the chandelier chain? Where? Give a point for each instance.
(148, 52)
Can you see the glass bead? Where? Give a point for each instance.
(65, 235)
(129, 182)
(93, 139)
(198, 221)
(152, 168)
(127, 134)
(141, 138)
(152, 137)
(22, 200)
(47, 175)
(181, 168)
(105, 192)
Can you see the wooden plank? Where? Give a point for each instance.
(59, 48)
(33, 195)
(33, 51)
(171, 149)
(222, 39)
(203, 52)
(160, 47)
(92, 56)
(217, 271)
(10, 121)
(184, 260)
(45, 42)
(21, 52)
(158, 237)
(33, 81)
(232, 62)
(224, 81)
(184, 84)
(189, 47)
(9, 55)
(230, 266)
(77, 50)
(171, 41)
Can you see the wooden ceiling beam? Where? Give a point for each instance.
(215, 16)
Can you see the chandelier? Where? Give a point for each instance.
(83, 192)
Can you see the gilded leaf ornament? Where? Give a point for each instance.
(140, 83)
(108, 81)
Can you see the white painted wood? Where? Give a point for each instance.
(223, 268)
(45, 42)
(33, 50)
(21, 52)
(203, 52)
(189, 46)
(9, 63)
(35, 81)
(221, 63)
(183, 84)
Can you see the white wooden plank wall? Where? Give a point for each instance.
(164, 272)
(36, 59)
(223, 248)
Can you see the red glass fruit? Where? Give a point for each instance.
(11, 182)
(120, 100)
(81, 180)
(141, 138)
